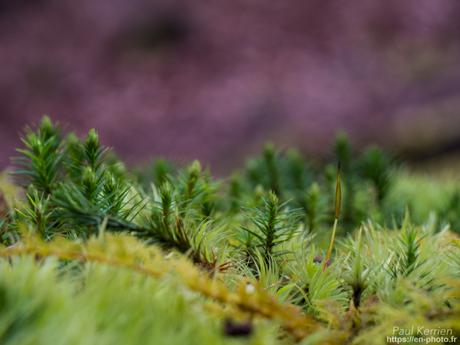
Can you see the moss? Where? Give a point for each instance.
(94, 253)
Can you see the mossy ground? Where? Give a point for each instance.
(95, 253)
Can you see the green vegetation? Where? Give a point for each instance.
(284, 251)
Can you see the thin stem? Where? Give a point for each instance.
(331, 244)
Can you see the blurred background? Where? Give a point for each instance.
(214, 80)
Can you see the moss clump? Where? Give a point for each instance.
(95, 253)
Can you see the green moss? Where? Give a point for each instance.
(244, 260)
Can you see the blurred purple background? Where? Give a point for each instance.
(215, 79)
